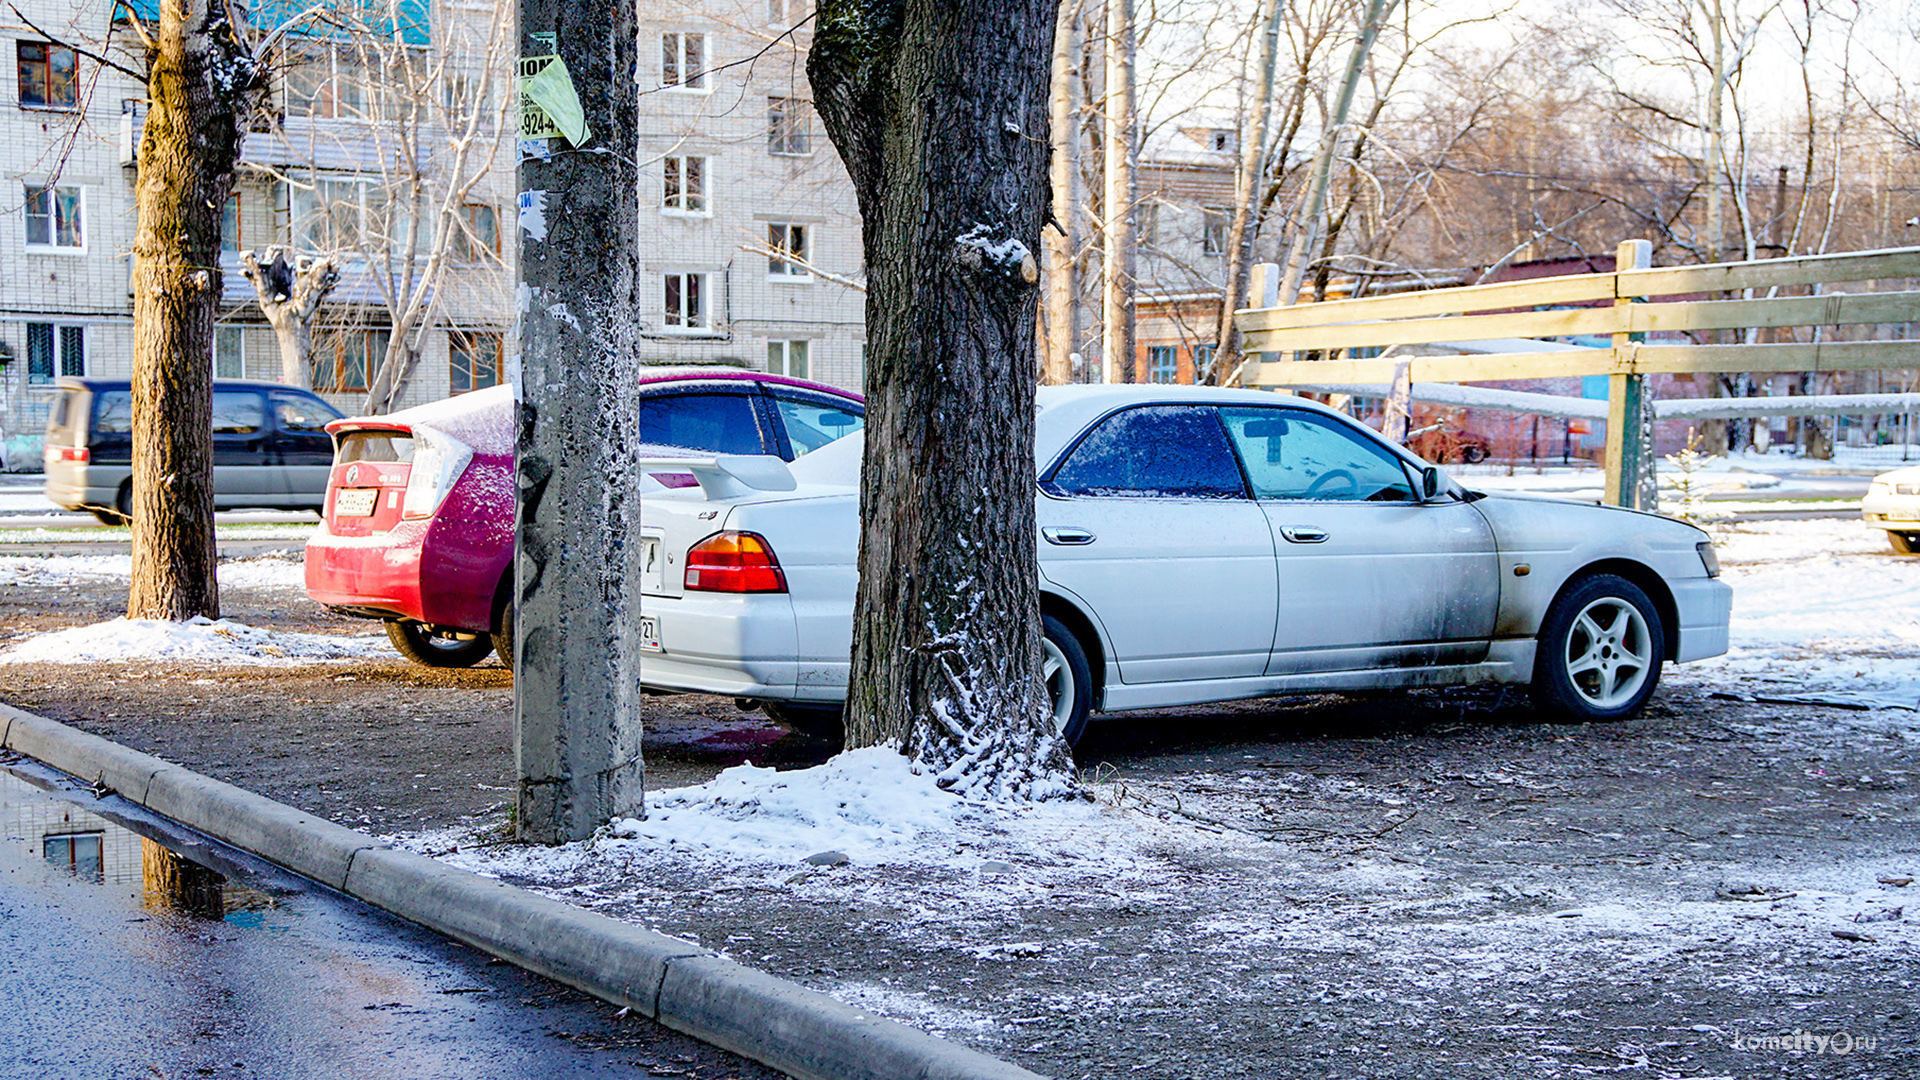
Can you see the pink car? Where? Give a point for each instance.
(417, 530)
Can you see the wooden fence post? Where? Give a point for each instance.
(1629, 411)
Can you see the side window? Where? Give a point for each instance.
(302, 414)
(1294, 454)
(1161, 451)
(721, 423)
(812, 422)
(237, 412)
(112, 412)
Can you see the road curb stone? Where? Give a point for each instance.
(682, 985)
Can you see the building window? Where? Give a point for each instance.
(56, 217)
(789, 241)
(789, 126)
(1221, 139)
(685, 301)
(786, 12)
(230, 223)
(55, 350)
(76, 853)
(685, 185)
(229, 352)
(1146, 224)
(474, 360)
(341, 214)
(49, 75)
(787, 358)
(1162, 367)
(1213, 230)
(683, 61)
(479, 236)
(328, 83)
(1202, 361)
(343, 358)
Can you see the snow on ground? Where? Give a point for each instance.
(198, 641)
(1821, 609)
(271, 571)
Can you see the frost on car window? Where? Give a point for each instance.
(1161, 451)
(1295, 454)
(812, 423)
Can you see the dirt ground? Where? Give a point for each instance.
(1430, 885)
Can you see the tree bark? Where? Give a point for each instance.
(1062, 236)
(289, 294)
(1246, 222)
(940, 113)
(200, 83)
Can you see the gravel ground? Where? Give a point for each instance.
(1429, 885)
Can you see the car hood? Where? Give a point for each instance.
(1908, 475)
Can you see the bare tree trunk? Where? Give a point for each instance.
(199, 81)
(1246, 226)
(1062, 237)
(289, 295)
(940, 113)
(1313, 212)
(1116, 260)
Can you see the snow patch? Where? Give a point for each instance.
(199, 640)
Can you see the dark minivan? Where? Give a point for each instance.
(270, 446)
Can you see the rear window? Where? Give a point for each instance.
(113, 412)
(374, 446)
(719, 423)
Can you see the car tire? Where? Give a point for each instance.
(503, 637)
(1599, 651)
(816, 721)
(107, 517)
(412, 641)
(1473, 455)
(1904, 543)
(124, 503)
(1068, 679)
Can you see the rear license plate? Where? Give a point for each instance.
(650, 633)
(355, 502)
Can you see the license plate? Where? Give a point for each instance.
(650, 633)
(355, 502)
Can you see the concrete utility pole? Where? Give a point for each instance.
(577, 573)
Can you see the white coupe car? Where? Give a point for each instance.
(1892, 503)
(1199, 545)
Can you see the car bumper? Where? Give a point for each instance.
(374, 575)
(742, 646)
(1705, 607)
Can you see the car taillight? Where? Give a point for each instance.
(438, 460)
(739, 562)
(69, 453)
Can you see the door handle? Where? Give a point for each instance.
(1304, 534)
(1067, 536)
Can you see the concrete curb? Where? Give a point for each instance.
(690, 989)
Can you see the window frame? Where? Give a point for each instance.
(789, 123)
(682, 182)
(333, 340)
(785, 347)
(780, 237)
(47, 88)
(674, 59)
(49, 193)
(679, 322)
(1358, 435)
(463, 342)
(1048, 480)
(464, 246)
(231, 333)
(1216, 230)
(1170, 355)
(59, 338)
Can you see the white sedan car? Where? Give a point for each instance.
(1892, 503)
(1198, 545)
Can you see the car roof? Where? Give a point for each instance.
(1065, 411)
(690, 372)
(91, 383)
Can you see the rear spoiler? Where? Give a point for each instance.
(727, 476)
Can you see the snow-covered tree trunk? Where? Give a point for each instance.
(940, 113)
(289, 294)
(200, 84)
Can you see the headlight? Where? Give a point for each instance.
(1707, 557)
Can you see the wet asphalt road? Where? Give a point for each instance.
(99, 981)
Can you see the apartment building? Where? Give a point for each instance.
(757, 257)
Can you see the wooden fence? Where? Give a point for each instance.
(1629, 307)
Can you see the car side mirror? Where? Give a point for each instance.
(1429, 483)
